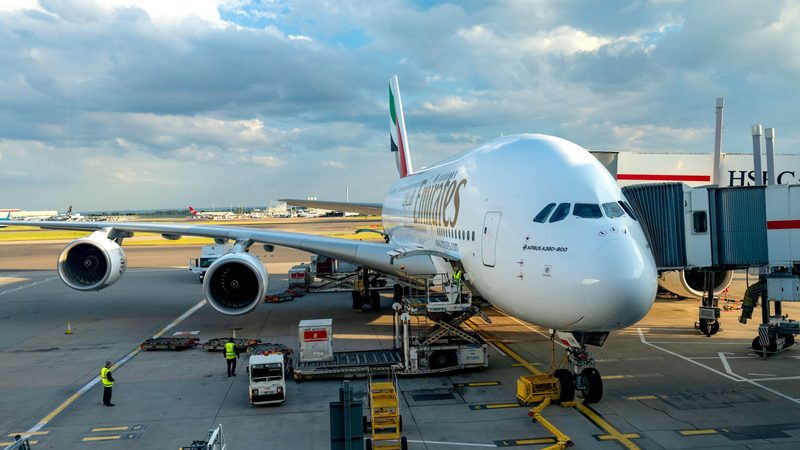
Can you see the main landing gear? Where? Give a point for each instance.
(365, 297)
(580, 374)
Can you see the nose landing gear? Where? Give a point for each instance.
(581, 374)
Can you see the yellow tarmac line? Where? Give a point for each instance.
(520, 365)
(60, 408)
(583, 409)
(95, 430)
(494, 406)
(500, 405)
(697, 432)
(608, 437)
(599, 421)
(101, 438)
(37, 433)
(642, 397)
(491, 342)
(6, 444)
(477, 384)
(534, 441)
(518, 358)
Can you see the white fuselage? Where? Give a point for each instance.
(580, 274)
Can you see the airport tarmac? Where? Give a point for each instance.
(666, 386)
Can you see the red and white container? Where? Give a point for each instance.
(316, 340)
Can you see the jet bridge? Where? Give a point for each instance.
(713, 228)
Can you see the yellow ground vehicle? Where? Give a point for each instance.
(385, 419)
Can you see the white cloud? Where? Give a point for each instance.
(563, 40)
(266, 161)
(19, 5)
(137, 93)
(334, 164)
(642, 137)
(299, 37)
(196, 153)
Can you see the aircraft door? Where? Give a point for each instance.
(491, 224)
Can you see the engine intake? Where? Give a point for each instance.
(235, 283)
(691, 283)
(91, 263)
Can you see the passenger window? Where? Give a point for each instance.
(613, 210)
(561, 212)
(542, 216)
(587, 211)
(628, 210)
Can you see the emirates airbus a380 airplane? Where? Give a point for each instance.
(538, 225)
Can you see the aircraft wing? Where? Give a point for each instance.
(375, 255)
(371, 209)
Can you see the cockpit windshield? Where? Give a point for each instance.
(561, 212)
(587, 211)
(613, 210)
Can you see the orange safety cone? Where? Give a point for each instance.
(69, 329)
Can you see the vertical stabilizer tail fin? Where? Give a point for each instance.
(397, 130)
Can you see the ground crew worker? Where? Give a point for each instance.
(108, 383)
(231, 354)
(751, 295)
(457, 277)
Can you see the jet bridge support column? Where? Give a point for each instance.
(709, 311)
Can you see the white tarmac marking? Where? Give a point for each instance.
(25, 286)
(716, 357)
(740, 379)
(762, 374)
(727, 366)
(460, 444)
(775, 379)
(46, 419)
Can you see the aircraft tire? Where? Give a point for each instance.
(357, 300)
(759, 350)
(709, 327)
(374, 300)
(567, 382)
(397, 293)
(594, 385)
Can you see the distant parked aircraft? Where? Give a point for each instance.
(210, 214)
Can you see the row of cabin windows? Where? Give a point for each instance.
(583, 210)
(463, 235)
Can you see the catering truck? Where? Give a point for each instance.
(208, 254)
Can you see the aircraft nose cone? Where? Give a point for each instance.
(619, 284)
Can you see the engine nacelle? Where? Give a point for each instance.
(235, 283)
(690, 283)
(91, 263)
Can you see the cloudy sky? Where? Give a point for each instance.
(134, 104)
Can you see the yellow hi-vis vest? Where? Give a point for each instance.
(104, 377)
(230, 353)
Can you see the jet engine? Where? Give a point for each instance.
(691, 283)
(235, 283)
(91, 263)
